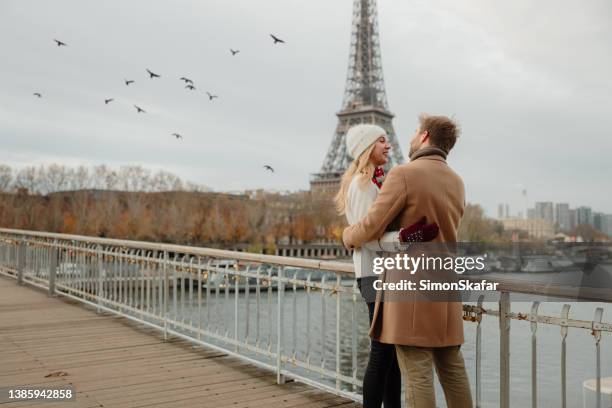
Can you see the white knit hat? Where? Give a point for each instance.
(360, 137)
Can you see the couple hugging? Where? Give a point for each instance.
(427, 198)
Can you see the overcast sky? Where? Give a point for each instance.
(529, 81)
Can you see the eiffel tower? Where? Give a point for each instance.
(364, 101)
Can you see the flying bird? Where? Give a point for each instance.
(211, 96)
(60, 43)
(190, 87)
(139, 109)
(128, 82)
(269, 168)
(153, 74)
(234, 52)
(107, 101)
(177, 135)
(187, 80)
(276, 39)
(37, 94)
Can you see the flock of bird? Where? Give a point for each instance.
(188, 85)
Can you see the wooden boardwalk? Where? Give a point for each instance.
(113, 362)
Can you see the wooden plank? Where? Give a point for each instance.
(114, 362)
(152, 387)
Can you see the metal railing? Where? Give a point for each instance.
(282, 314)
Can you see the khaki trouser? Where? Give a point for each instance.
(416, 365)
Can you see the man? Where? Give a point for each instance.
(426, 333)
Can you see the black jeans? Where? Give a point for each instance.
(382, 382)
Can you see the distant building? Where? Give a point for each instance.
(599, 221)
(572, 217)
(544, 211)
(531, 214)
(584, 216)
(608, 230)
(537, 228)
(503, 211)
(562, 217)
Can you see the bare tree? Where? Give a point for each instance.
(111, 180)
(80, 179)
(6, 178)
(165, 181)
(54, 212)
(27, 178)
(104, 178)
(54, 178)
(475, 226)
(158, 206)
(134, 178)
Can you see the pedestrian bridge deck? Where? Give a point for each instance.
(113, 362)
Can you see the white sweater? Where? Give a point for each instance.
(359, 199)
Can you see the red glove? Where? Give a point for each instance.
(420, 231)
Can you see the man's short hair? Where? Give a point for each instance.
(443, 131)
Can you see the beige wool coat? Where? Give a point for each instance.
(426, 186)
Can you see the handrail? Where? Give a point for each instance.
(553, 290)
(344, 268)
(341, 267)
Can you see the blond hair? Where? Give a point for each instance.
(361, 166)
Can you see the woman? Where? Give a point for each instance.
(368, 146)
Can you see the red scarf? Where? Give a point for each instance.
(378, 176)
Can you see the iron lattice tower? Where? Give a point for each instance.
(365, 99)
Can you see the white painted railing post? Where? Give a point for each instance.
(479, 353)
(597, 335)
(564, 317)
(165, 298)
(534, 354)
(53, 263)
(280, 378)
(504, 350)
(21, 252)
(100, 285)
(236, 304)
